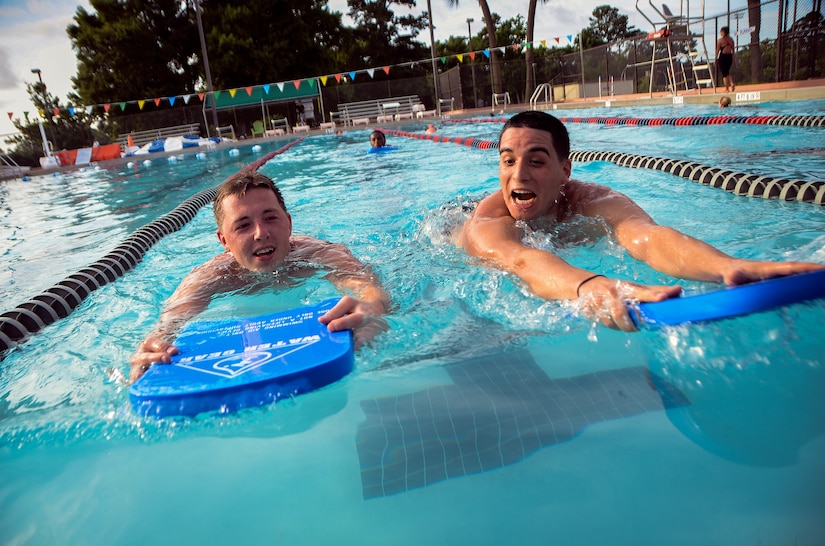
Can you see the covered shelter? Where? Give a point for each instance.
(298, 102)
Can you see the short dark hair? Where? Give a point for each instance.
(240, 183)
(726, 30)
(533, 119)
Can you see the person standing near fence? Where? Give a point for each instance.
(725, 47)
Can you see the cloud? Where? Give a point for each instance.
(7, 78)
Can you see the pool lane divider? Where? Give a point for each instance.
(743, 184)
(795, 121)
(30, 317)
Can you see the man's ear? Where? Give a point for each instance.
(221, 238)
(567, 165)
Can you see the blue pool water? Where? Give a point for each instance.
(484, 415)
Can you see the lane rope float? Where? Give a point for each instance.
(772, 119)
(743, 184)
(57, 302)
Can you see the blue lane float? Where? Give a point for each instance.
(229, 365)
(732, 301)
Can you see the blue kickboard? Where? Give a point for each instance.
(732, 301)
(228, 365)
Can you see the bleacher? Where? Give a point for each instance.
(144, 137)
(379, 111)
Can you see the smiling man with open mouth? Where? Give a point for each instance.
(536, 188)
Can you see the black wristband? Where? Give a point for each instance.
(588, 279)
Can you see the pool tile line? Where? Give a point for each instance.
(498, 410)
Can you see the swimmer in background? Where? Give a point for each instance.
(430, 129)
(537, 192)
(255, 230)
(378, 139)
(724, 102)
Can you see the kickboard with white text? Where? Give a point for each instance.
(228, 365)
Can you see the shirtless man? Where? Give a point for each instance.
(536, 188)
(256, 232)
(724, 57)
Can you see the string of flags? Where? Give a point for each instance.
(280, 86)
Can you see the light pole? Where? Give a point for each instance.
(46, 149)
(206, 69)
(472, 62)
(435, 65)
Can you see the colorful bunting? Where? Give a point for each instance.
(460, 58)
(232, 92)
(371, 72)
(387, 70)
(297, 84)
(249, 91)
(172, 101)
(10, 114)
(352, 76)
(324, 80)
(338, 78)
(201, 95)
(141, 103)
(106, 107)
(266, 89)
(280, 86)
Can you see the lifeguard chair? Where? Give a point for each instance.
(675, 31)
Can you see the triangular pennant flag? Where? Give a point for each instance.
(371, 72)
(157, 102)
(352, 76)
(311, 83)
(200, 96)
(172, 101)
(323, 80)
(42, 114)
(141, 103)
(106, 107)
(217, 95)
(338, 78)
(56, 111)
(472, 55)
(11, 114)
(557, 40)
(232, 92)
(570, 37)
(297, 84)
(443, 60)
(89, 110)
(122, 106)
(71, 110)
(460, 58)
(486, 53)
(280, 86)
(387, 70)
(249, 91)
(25, 115)
(544, 43)
(266, 89)
(186, 99)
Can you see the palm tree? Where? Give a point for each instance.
(528, 56)
(495, 73)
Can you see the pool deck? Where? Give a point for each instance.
(744, 94)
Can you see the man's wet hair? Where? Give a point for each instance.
(241, 183)
(533, 119)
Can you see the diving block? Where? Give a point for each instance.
(328, 125)
(406, 115)
(361, 121)
(425, 113)
(383, 119)
(300, 129)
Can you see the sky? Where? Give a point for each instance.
(33, 35)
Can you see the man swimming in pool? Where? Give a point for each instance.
(256, 232)
(536, 189)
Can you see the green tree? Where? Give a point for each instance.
(254, 42)
(529, 56)
(490, 24)
(129, 48)
(381, 36)
(607, 25)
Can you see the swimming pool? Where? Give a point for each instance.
(483, 415)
